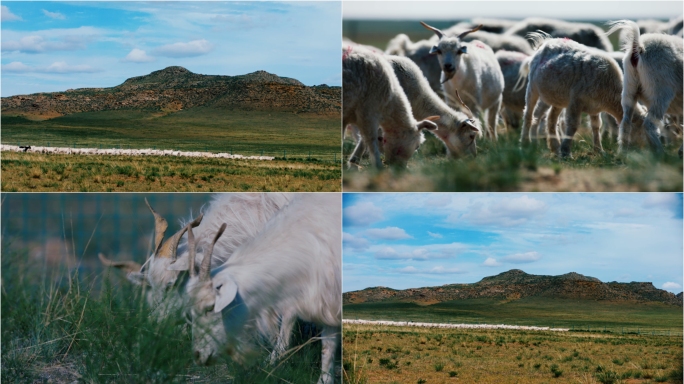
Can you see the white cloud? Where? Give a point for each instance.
(362, 214)
(354, 242)
(190, 49)
(435, 235)
(138, 56)
(502, 211)
(16, 66)
(491, 262)
(389, 233)
(422, 253)
(56, 67)
(438, 200)
(54, 15)
(439, 270)
(660, 200)
(520, 258)
(7, 15)
(63, 67)
(39, 44)
(670, 286)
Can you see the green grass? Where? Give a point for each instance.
(506, 166)
(58, 326)
(562, 313)
(278, 134)
(38, 172)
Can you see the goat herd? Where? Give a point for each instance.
(265, 260)
(487, 67)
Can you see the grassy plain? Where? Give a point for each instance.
(58, 326)
(32, 172)
(307, 145)
(505, 166)
(198, 129)
(378, 354)
(562, 313)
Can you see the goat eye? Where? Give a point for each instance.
(210, 309)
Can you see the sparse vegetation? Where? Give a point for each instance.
(143, 174)
(492, 363)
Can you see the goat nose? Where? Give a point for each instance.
(448, 67)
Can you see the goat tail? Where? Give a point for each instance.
(537, 38)
(630, 40)
(523, 72)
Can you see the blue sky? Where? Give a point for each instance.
(513, 9)
(54, 46)
(406, 240)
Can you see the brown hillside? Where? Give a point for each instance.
(516, 284)
(175, 88)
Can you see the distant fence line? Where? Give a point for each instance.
(460, 324)
(229, 153)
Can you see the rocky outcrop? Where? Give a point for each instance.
(175, 88)
(516, 284)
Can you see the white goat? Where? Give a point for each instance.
(372, 96)
(419, 51)
(246, 214)
(292, 266)
(653, 76)
(583, 33)
(513, 97)
(456, 130)
(566, 74)
(472, 70)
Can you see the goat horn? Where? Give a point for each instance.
(191, 252)
(463, 104)
(462, 35)
(127, 266)
(433, 29)
(160, 226)
(206, 262)
(170, 246)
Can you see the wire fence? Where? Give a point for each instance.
(291, 154)
(54, 230)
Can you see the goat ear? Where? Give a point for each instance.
(463, 49)
(433, 118)
(434, 50)
(225, 294)
(427, 124)
(136, 278)
(181, 264)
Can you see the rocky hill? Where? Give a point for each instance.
(516, 284)
(175, 88)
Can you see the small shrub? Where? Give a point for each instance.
(439, 367)
(453, 373)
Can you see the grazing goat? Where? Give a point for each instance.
(583, 33)
(566, 74)
(371, 97)
(292, 266)
(246, 214)
(513, 97)
(653, 76)
(456, 130)
(419, 51)
(472, 70)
